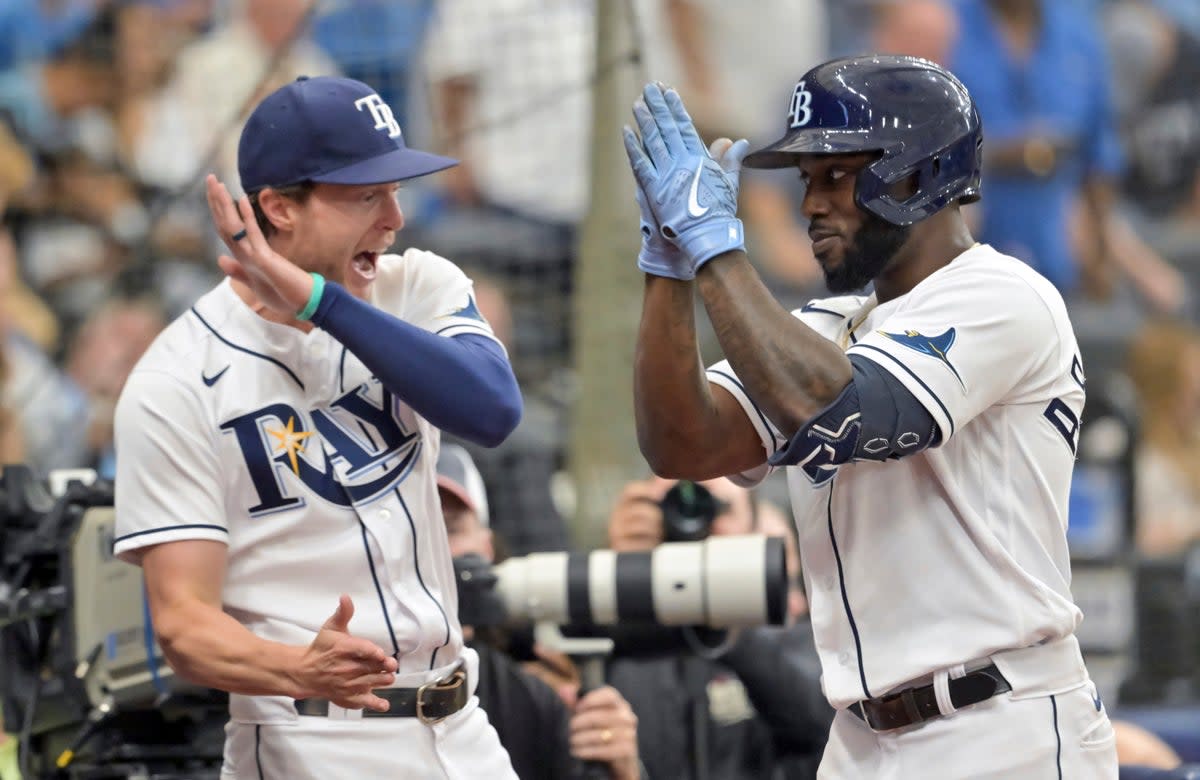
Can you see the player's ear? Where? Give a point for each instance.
(277, 208)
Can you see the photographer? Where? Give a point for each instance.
(750, 704)
(543, 738)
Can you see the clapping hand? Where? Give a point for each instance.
(687, 193)
(344, 668)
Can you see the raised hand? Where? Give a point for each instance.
(691, 196)
(278, 284)
(658, 256)
(343, 668)
(728, 155)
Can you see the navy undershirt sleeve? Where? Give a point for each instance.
(464, 385)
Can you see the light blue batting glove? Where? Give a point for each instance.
(691, 196)
(728, 155)
(658, 256)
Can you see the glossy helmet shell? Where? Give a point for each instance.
(916, 114)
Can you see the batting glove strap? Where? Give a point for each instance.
(710, 239)
(662, 258)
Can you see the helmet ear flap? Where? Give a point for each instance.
(907, 186)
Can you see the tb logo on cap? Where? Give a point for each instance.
(800, 108)
(381, 112)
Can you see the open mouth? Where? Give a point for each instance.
(364, 264)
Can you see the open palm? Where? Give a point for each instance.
(278, 283)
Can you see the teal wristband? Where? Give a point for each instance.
(314, 300)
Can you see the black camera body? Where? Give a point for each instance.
(688, 510)
(479, 604)
(82, 672)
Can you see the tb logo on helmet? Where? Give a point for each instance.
(381, 112)
(801, 106)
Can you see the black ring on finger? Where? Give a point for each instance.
(238, 236)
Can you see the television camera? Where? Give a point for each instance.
(84, 686)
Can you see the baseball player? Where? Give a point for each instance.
(928, 428)
(276, 452)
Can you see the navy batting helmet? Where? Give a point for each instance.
(915, 113)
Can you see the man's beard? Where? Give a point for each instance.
(874, 246)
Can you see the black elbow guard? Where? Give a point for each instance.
(874, 418)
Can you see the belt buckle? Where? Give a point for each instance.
(458, 677)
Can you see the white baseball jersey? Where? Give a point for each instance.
(283, 446)
(959, 551)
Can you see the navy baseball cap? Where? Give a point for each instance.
(327, 129)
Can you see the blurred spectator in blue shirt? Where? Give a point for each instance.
(376, 41)
(1039, 73)
(39, 96)
(34, 30)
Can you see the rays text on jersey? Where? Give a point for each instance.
(350, 452)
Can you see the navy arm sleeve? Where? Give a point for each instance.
(464, 385)
(874, 418)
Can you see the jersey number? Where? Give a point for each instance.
(1064, 421)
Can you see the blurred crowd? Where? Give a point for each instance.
(111, 112)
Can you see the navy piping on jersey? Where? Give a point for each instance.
(919, 381)
(761, 416)
(229, 343)
(471, 330)
(257, 744)
(362, 528)
(1057, 737)
(819, 310)
(837, 557)
(342, 372)
(170, 528)
(417, 568)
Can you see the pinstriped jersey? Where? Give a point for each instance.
(283, 446)
(958, 551)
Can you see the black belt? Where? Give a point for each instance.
(916, 705)
(430, 703)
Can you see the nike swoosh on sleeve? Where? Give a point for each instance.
(212, 380)
(694, 208)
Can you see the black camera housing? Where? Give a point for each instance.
(479, 604)
(688, 510)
